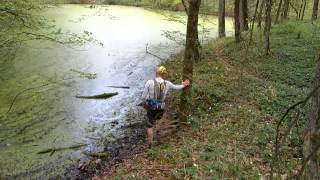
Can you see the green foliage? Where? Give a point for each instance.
(22, 21)
(232, 135)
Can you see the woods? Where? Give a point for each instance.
(311, 143)
(72, 78)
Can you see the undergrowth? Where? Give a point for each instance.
(238, 98)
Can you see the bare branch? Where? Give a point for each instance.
(277, 145)
(185, 6)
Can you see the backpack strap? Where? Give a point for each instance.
(159, 91)
(155, 89)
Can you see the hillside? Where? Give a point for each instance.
(238, 100)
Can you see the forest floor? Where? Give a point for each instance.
(238, 98)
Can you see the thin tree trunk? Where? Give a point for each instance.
(267, 26)
(222, 13)
(285, 9)
(261, 12)
(189, 58)
(312, 131)
(237, 31)
(315, 10)
(300, 10)
(253, 21)
(278, 12)
(295, 10)
(304, 9)
(244, 26)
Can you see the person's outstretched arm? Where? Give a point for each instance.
(178, 87)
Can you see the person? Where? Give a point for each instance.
(154, 95)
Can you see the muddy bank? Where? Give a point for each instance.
(123, 148)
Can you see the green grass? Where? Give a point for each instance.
(232, 136)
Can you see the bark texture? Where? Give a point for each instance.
(222, 22)
(267, 26)
(244, 15)
(285, 10)
(237, 30)
(189, 58)
(312, 132)
(259, 18)
(315, 10)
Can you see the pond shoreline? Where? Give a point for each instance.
(179, 8)
(53, 118)
(117, 151)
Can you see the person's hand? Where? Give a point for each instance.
(186, 83)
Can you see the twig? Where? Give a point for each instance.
(29, 89)
(25, 90)
(277, 145)
(148, 52)
(151, 169)
(45, 37)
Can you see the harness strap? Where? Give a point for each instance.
(155, 87)
(158, 91)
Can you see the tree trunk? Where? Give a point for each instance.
(315, 10)
(300, 10)
(263, 3)
(222, 13)
(197, 55)
(244, 26)
(304, 9)
(237, 30)
(267, 26)
(189, 58)
(312, 131)
(253, 21)
(278, 12)
(285, 9)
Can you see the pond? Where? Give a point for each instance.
(42, 81)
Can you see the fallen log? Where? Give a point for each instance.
(54, 149)
(99, 96)
(123, 87)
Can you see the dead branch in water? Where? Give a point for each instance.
(148, 52)
(32, 88)
(53, 150)
(99, 96)
(122, 87)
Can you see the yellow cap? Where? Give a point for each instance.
(162, 70)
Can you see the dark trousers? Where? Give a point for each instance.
(153, 116)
